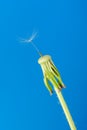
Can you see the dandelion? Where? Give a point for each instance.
(52, 75)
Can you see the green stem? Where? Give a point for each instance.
(65, 109)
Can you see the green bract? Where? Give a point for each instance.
(51, 74)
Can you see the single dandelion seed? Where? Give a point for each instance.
(30, 40)
(52, 75)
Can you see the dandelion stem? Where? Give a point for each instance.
(65, 109)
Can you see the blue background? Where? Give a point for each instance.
(25, 103)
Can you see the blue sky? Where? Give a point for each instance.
(25, 103)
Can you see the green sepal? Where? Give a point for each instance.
(48, 86)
